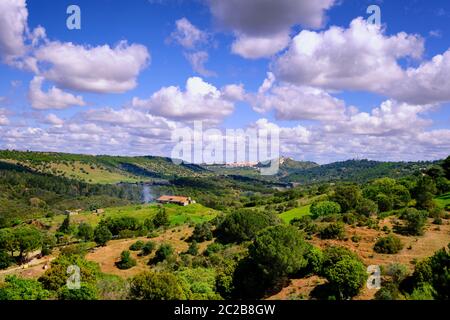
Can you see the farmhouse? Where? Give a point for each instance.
(180, 200)
(98, 211)
(73, 212)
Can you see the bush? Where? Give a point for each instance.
(193, 248)
(102, 235)
(85, 231)
(137, 246)
(5, 260)
(347, 196)
(325, 208)
(384, 202)
(367, 207)
(414, 222)
(213, 248)
(156, 286)
(243, 225)
(164, 251)
(126, 261)
(85, 292)
(15, 288)
(333, 231)
(161, 218)
(306, 224)
(147, 248)
(202, 232)
(388, 245)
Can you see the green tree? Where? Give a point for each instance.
(65, 226)
(347, 196)
(27, 239)
(446, 167)
(85, 292)
(126, 261)
(415, 221)
(5, 260)
(8, 241)
(85, 231)
(389, 245)
(102, 235)
(202, 232)
(385, 203)
(156, 286)
(193, 248)
(243, 225)
(279, 251)
(333, 231)
(367, 207)
(16, 288)
(164, 251)
(424, 193)
(346, 277)
(161, 218)
(325, 208)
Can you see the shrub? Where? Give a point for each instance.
(325, 208)
(85, 292)
(213, 248)
(388, 245)
(164, 251)
(193, 248)
(85, 231)
(161, 218)
(202, 232)
(333, 231)
(15, 288)
(347, 196)
(414, 222)
(126, 261)
(243, 225)
(147, 248)
(137, 246)
(102, 235)
(367, 207)
(384, 202)
(156, 286)
(306, 224)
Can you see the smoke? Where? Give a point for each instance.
(147, 195)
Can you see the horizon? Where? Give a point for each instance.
(125, 88)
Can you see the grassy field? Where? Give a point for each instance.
(443, 200)
(178, 215)
(295, 213)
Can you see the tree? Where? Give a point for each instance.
(126, 261)
(347, 196)
(85, 292)
(279, 251)
(367, 207)
(415, 221)
(85, 231)
(424, 193)
(137, 246)
(388, 245)
(163, 252)
(243, 225)
(202, 232)
(193, 248)
(16, 288)
(7, 241)
(5, 260)
(147, 248)
(325, 208)
(333, 231)
(27, 239)
(346, 277)
(384, 202)
(156, 286)
(161, 218)
(65, 226)
(446, 167)
(102, 235)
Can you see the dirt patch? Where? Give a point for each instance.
(107, 256)
(415, 248)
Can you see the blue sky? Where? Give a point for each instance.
(386, 100)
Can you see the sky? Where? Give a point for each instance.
(336, 85)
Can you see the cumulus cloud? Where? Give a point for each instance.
(13, 24)
(262, 27)
(200, 101)
(358, 58)
(55, 98)
(292, 102)
(100, 69)
(3, 118)
(198, 60)
(53, 120)
(187, 35)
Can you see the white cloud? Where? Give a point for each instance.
(262, 27)
(13, 25)
(292, 102)
(200, 101)
(255, 47)
(53, 120)
(3, 118)
(99, 69)
(390, 119)
(358, 58)
(53, 99)
(187, 35)
(197, 61)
